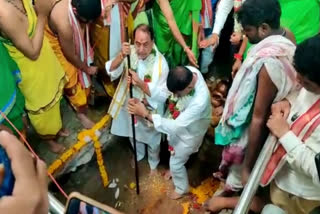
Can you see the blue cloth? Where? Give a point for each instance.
(8, 181)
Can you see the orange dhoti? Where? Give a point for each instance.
(74, 91)
(100, 34)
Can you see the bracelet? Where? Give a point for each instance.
(185, 48)
(237, 56)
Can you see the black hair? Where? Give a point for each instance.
(90, 10)
(144, 28)
(179, 78)
(306, 59)
(257, 12)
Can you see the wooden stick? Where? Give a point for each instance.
(134, 133)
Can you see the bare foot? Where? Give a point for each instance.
(64, 133)
(215, 204)
(85, 121)
(55, 147)
(153, 172)
(219, 175)
(174, 195)
(167, 175)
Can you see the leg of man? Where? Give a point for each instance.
(178, 170)
(153, 155)
(141, 149)
(233, 182)
(290, 203)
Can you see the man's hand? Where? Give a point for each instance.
(235, 68)
(134, 78)
(125, 49)
(91, 70)
(191, 57)
(283, 108)
(278, 125)
(137, 108)
(213, 40)
(235, 38)
(43, 7)
(30, 192)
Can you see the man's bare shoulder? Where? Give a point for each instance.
(59, 18)
(5, 12)
(9, 18)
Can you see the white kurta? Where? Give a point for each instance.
(299, 175)
(223, 9)
(186, 132)
(121, 124)
(190, 127)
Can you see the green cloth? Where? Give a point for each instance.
(184, 12)
(141, 18)
(301, 17)
(11, 100)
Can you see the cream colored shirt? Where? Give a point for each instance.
(299, 175)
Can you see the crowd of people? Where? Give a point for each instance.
(166, 50)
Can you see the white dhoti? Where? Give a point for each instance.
(145, 135)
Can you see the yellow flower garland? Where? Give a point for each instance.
(84, 137)
(204, 191)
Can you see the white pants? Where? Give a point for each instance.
(177, 168)
(234, 181)
(153, 153)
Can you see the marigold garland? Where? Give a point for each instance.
(186, 207)
(85, 137)
(207, 188)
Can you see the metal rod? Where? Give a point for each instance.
(255, 177)
(55, 206)
(134, 134)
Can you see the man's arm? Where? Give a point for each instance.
(258, 132)
(168, 14)
(125, 51)
(300, 156)
(170, 126)
(30, 47)
(65, 37)
(224, 7)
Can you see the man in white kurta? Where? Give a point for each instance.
(149, 73)
(186, 126)
(295, 187)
